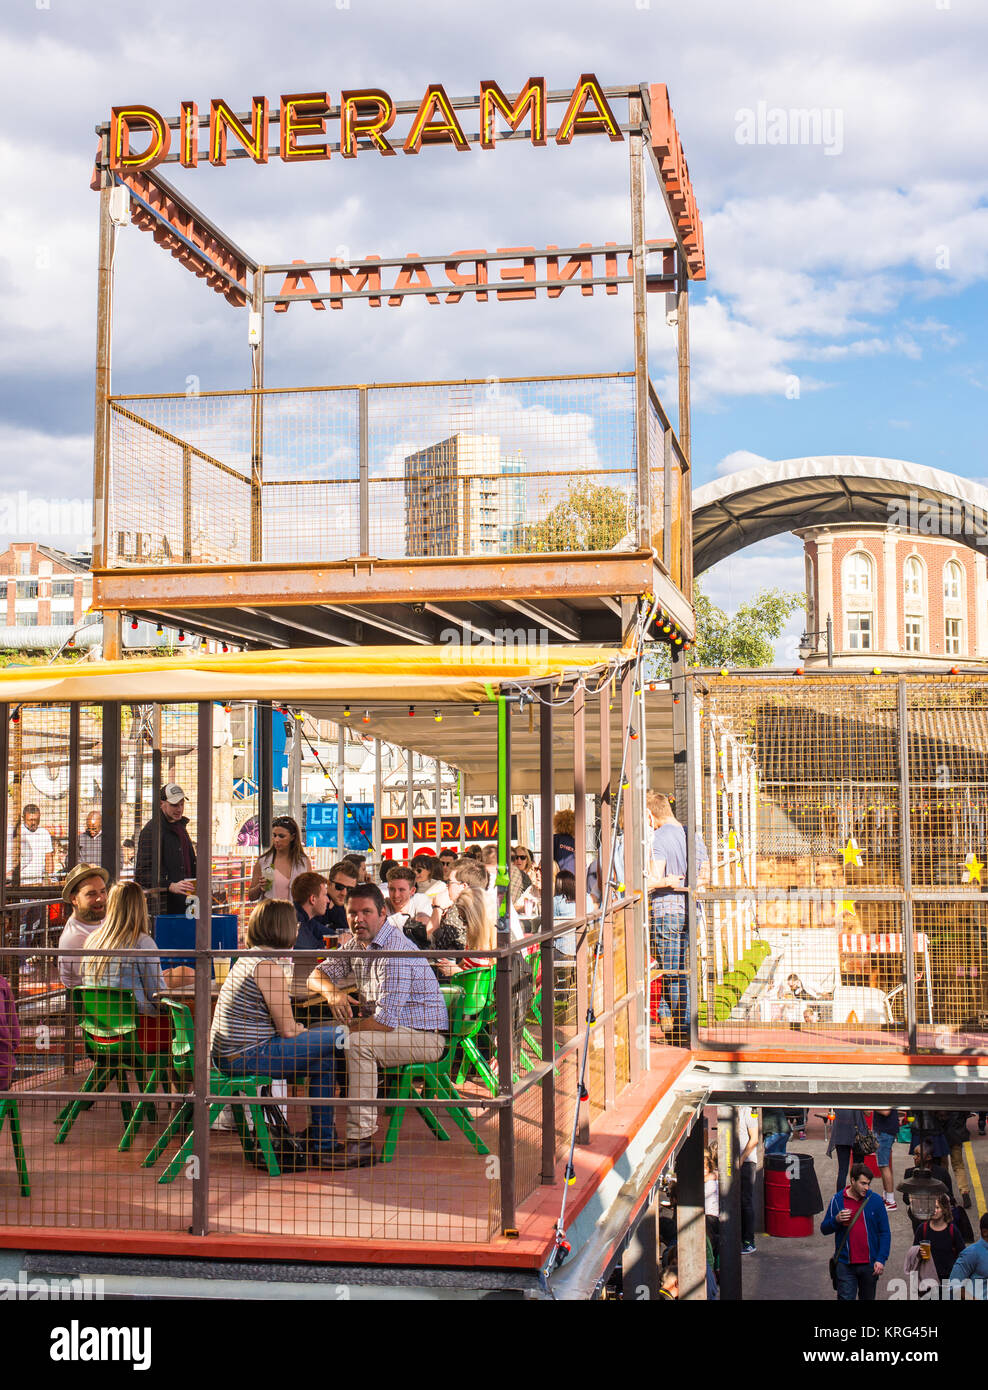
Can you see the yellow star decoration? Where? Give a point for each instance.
(972, 869)
(852, 854)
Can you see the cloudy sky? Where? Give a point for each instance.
(845, 300)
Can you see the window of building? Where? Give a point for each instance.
(27, 619)
(952, 636)
(62, 588)
(3, 588)
(858, 573)
(859, 632)
(27, 588)
(914, 635)
(24, 563)
(61, 617)
(913, 578)
(951, 580)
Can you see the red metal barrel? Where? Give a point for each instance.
(778, 1222)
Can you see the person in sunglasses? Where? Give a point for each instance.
(522, 860)
(342, 877)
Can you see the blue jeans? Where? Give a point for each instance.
(856, 1282)
(670, 946)
(315, 1055)
(884, 1154)
(776, 1143)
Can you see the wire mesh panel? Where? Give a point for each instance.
(504, 466)
(798, 784)
(501, 467)
(172, 501)
(656, 477)
(818, 895)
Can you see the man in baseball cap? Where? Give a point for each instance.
(166, 856)
(85, 890)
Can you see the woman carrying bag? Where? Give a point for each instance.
(845, 1132)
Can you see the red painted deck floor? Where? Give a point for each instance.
(436, 1203)
(820, 1040)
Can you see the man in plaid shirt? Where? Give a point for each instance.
(403, 1020)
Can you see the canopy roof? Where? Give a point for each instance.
(467, 740)
(465, 674)
(741, 508)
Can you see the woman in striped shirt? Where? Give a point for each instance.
(254, 1031)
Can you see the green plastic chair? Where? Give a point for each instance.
(737, 981)
(758, 950)
(531, 1047)
(8, 1111)
(723, 1004)
(746, 967)
(478, 1005)
(108, 1019)
(219, 1084)
(465, 1003)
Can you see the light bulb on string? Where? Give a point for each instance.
(437, 716)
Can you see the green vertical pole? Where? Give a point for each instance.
(503, 811)
(503, 977)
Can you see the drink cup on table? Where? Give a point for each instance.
(221, 968)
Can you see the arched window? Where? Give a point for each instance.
(858, 573)
(951, 580)
(913, 578)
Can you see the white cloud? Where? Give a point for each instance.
(737, 461)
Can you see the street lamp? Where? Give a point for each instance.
(921, 1191)
(808, 640)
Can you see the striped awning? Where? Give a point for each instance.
(883, 943)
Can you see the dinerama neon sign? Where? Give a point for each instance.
(310, 129)
(364, 115)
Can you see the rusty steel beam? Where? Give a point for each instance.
(369, 581)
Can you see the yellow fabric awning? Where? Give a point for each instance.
(467, 674)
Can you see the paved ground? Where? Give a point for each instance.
(797, 1269)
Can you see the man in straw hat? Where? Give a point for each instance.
(85, 891)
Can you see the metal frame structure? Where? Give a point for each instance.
(295, 601)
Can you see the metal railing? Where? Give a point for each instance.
(506, 466)
(98, 1172)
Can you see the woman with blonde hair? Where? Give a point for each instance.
(278, 867)
(126, 928)
(468, 925)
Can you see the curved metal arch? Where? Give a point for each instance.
(836, 489)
